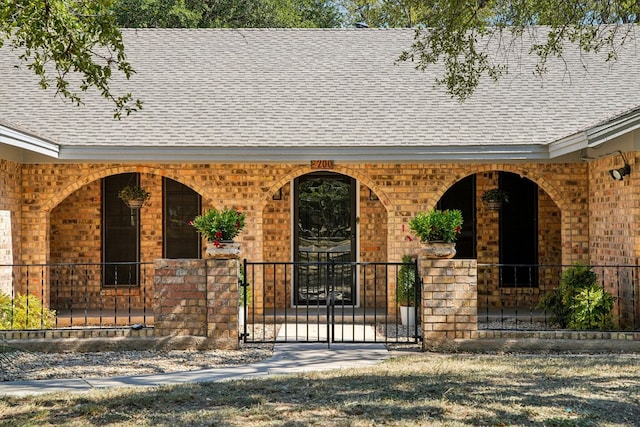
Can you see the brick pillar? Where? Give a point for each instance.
(197, 297)
(222, 302)
(179, 304)
(449, 301)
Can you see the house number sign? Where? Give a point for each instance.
(322, 164)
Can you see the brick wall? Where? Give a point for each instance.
(56, 195)
(614, 213)
(10, 177)
(10, 214)
(403, 190)
(373, 247)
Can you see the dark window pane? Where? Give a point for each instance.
(519, 231)
(462, 196)
(181, 205)
(120, 233)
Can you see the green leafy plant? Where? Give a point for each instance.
(133, 192)
(406, 292)
(495, 195)
(579, 302)
(592, 309)
(219, 225)
(242, 294)
(24, 312)
(437, 225)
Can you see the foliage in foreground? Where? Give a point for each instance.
(71, 37)
(474, 39)
(424, 389)
(24, 312)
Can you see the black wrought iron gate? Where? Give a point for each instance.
(307, 302)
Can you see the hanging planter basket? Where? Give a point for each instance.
(134, 196)
(494, 198)
(495, 205)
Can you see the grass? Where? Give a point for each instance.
(421, 389)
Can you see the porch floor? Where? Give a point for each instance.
(104, 317)
(320, 315)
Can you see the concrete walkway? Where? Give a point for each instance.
(287, 358)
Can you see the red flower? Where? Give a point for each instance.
(219, 234)
(216, 243)
(458, 230)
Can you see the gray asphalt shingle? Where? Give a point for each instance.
(303, 88)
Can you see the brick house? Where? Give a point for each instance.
(259, 119)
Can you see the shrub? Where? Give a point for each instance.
(25, 312)
(579, 302)
(437, 225)
(591, 309)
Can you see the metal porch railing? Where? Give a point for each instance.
(509, 296)
(66, 295)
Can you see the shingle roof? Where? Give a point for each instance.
(332, 89)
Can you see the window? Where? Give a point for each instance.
(120, 233)
(519, 231)
(462, 195)
(181, 205)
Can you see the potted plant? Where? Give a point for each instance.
(494, 198)
(407, 292)
(438, 231)
(134, 196)
(220, 227)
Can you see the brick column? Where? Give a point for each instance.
(197, 297)
(449, 301)
(222, 302)
(179, 299)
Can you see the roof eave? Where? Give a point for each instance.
(295, 154)
(14, 138)
(596, 135)
(622, 125)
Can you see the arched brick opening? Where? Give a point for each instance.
(276, 221)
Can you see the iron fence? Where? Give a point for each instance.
(333, 301)
(75, 295)
(513, 296)
(315, 301)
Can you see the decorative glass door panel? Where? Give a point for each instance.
(325, 239)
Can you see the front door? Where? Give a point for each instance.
(324, 239)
